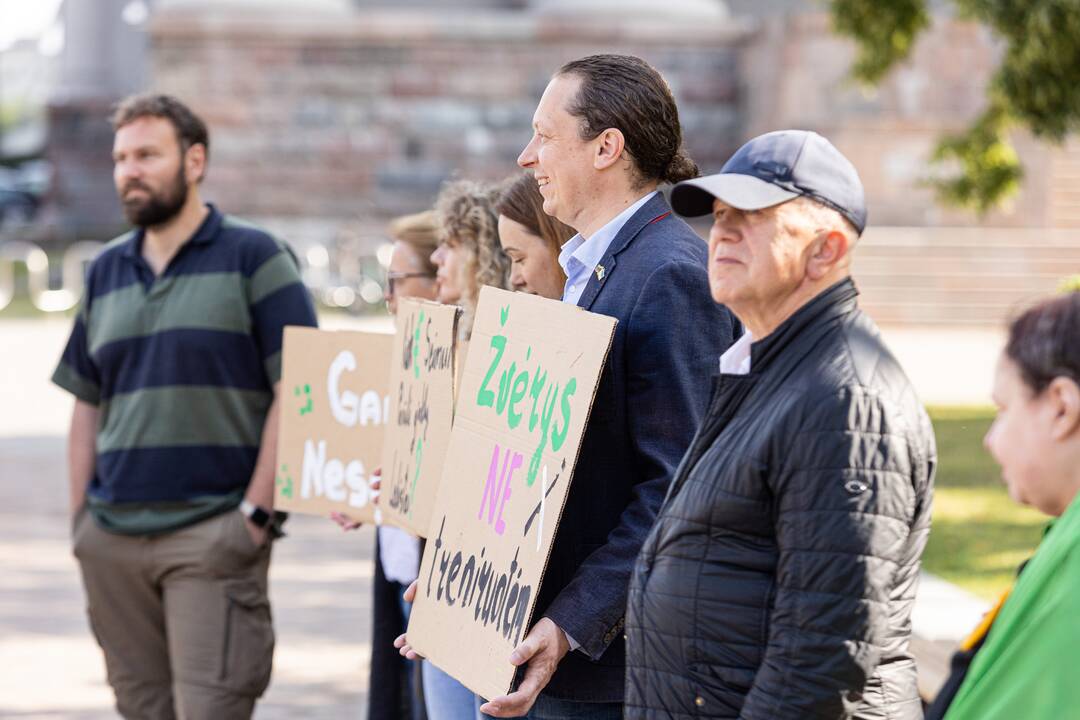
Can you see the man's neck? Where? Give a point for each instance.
(606, 206)
(162, 242)
(763, 319)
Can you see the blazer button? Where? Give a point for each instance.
(699, 701)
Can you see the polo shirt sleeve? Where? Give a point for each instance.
(76, 371)
(277, 297)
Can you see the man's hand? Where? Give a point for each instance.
(541, 651)
(258, 534)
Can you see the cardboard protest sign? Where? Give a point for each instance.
(421, 412)
(529, 381)
(333, 411)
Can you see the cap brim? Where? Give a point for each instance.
(692, 198)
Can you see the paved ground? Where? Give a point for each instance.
(319, 579)
(53, 669)
(51, 666)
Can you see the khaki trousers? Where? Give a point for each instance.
(183, 618)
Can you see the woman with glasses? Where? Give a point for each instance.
(394, 682)
(1021, 662)
(411, 272)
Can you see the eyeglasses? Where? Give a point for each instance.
(391, 278)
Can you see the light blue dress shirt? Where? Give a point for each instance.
(580, 256)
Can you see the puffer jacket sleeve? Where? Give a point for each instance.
(845, 501)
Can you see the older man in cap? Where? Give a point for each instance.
(778, 580)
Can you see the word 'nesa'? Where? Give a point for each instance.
(334, 479)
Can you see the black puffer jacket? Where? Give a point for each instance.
(778, 580)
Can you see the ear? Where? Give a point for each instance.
(609, 148)
(1063, 394)
(195, 163)
(828, 251)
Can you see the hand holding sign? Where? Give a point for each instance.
(347, 523)
(541, 652)
(526, 391)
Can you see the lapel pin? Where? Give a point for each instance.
(600, 272)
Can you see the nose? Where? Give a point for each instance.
(517, 278)
(721, 232)
(126, 170)
(437, 256)
(527, 158)
(988, 438)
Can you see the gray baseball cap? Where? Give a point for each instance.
(774, 168)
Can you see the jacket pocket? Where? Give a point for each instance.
(718, 691)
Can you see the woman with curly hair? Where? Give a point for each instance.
(469, 255)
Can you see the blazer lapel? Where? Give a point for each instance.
(655, 209)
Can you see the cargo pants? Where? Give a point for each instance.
(183, 617)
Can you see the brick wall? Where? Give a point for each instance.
(360, 116)
(327, 123)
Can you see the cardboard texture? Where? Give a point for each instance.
(528, 385)
(334, 408)
(422, 377)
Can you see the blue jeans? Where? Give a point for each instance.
(549, 708)
(445, 697)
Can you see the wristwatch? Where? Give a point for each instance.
(263, 518)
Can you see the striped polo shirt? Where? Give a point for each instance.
(182, 368)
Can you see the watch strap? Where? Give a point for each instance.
(257, 515)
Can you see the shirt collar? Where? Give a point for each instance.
(736, 359)
(588, 252)
(204, 235)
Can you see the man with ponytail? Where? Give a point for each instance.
(606, 135)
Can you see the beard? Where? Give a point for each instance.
(157, 207)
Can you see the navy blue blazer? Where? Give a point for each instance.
(652, 395)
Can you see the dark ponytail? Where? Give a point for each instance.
(626, 93)
(681, 168)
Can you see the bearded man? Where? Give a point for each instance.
(174, 362)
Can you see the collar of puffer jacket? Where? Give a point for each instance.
(833, 303)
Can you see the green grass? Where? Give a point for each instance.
(979, 535)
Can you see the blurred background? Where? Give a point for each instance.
(329, 117)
